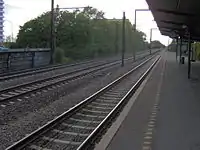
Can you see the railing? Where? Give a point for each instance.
(25, 50)
(17, 59)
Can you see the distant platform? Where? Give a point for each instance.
(22, 50)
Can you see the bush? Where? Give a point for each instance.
(197, 46)
(67, 60)
(59, 55)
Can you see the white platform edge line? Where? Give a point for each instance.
(107, 138)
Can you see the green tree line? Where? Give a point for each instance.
(80, 34)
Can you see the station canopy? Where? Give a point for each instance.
(177, 17)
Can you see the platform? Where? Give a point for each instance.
(164, 116)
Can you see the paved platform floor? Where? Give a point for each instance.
(177, 122)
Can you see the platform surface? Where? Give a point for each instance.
(177, 123)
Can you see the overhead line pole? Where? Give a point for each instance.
(189, 55)
(151, 34)
(150, 39)
(64, 8)
(52, 43)
(123, 38)
(181, 42)
(135, 26)
(116, 37)
(176, 48)
(53, 32)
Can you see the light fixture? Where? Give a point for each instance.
(184, 26)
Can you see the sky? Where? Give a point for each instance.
(17, 12)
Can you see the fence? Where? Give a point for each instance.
(17, 59)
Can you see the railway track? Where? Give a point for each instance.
(14, 93)
(27, 72)
(79, 127)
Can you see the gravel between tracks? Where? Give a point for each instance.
(47, 74)
(24, 117)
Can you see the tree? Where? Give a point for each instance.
(8, 39)
(35, 33)
(81, 34)
(157, 44)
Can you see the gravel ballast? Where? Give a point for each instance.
(24, 117)
(48, 74)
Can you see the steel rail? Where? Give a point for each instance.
(26, 72)
(92, 137)
(39, 70)
(59, 79)
(50, 125)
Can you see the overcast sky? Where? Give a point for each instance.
(20, 11)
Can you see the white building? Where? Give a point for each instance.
(1, 19)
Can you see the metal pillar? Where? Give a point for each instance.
(135, 19)
(33, 60)
(52, 32)
(134, 50)
(134, 54)
(8, 62)
(168, 45)
(150, 40)
(123, 38)
(195, 51)
(189, 55)
(134, 28)
(116, 37)
(176, 48)
(181, 42)
(55, 21)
